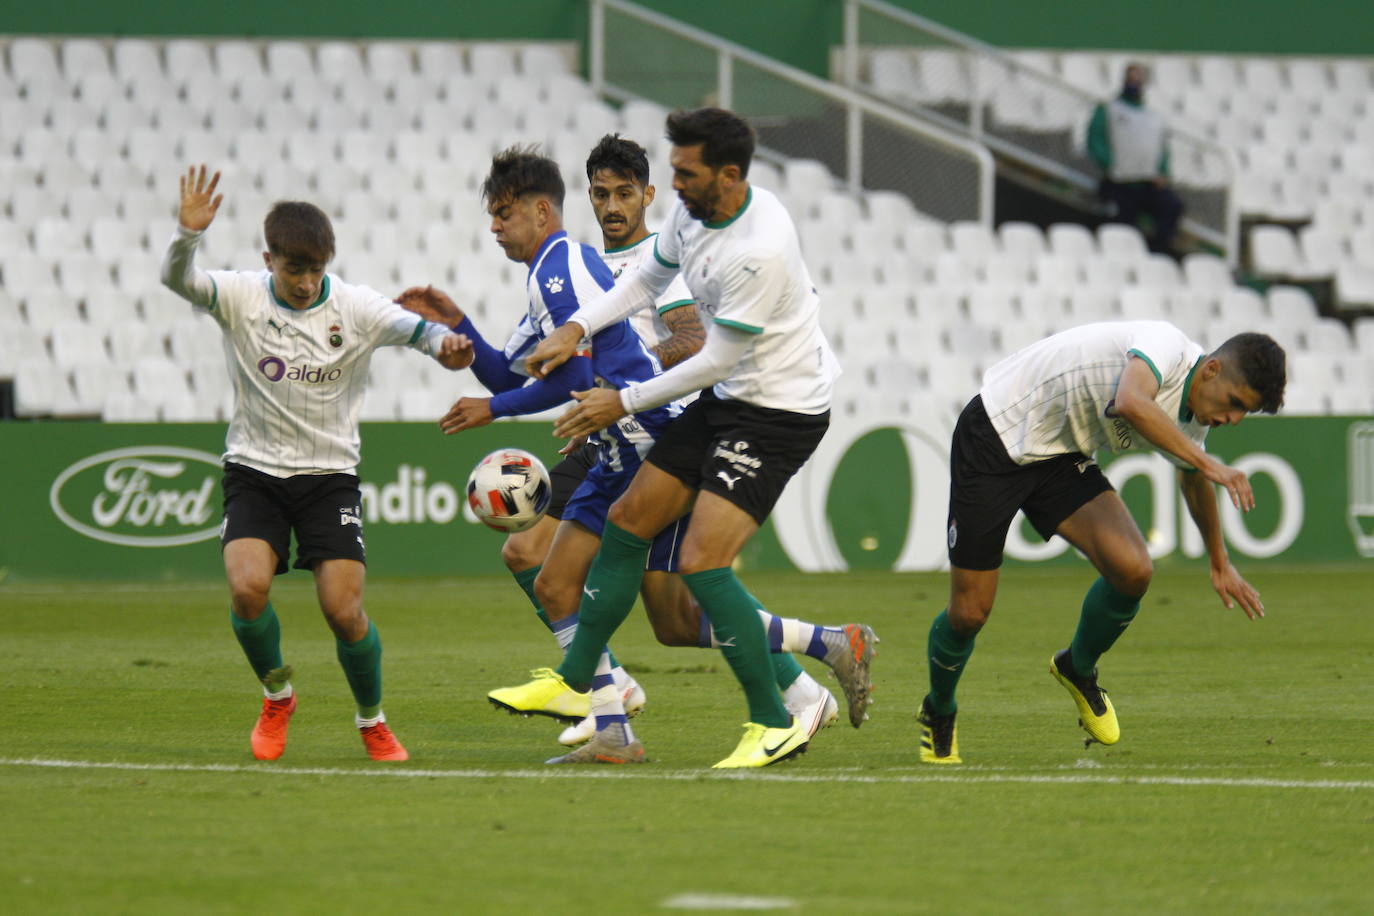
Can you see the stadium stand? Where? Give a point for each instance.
(393, 138)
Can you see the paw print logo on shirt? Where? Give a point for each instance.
(554, 285)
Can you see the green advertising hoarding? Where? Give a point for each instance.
(89, 500)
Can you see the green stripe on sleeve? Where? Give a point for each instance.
(1159, 379)
(214, 293)
(419, 329)
(662, 309)
(739, 326)
(660, 259)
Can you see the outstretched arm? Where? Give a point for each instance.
(199, 204)
(1201, 498)
(1135, 401)
(631, 292)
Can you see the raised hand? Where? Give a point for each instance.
(431, 304)
(199, 202)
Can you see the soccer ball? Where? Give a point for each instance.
(509, 490)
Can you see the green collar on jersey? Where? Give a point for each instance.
(324, 294)
(1184, 414)
(630, 246)
(748, 198)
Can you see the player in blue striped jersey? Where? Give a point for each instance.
(524, 196)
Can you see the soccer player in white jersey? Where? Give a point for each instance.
(767, 374)
(1026, 442)
(298, 342)
(620, 192)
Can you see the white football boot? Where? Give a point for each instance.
(633, 698)
(812, 705)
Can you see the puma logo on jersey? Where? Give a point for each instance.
(729, 481)
(275, 325)
(751, 271)
(554, 284)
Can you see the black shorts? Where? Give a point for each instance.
(742, 453)
(324, 510)
(986, 488)
(567, 474)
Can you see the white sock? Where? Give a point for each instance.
(284, 693)
(607, 707)
(379, 718)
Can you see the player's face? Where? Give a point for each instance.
(296, 280)
(1218, 399)
(619, 203)
(517, 226)
(698, 186)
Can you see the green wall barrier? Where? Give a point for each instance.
(800, 32)
(143, 501)
(115, 501)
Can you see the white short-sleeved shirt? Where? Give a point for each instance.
(300, 375)
(1057, 396)
(747, 273)
(648, 322)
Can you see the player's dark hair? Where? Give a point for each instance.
(621, 157)
(519, 171)
(300, 230)
(725, 137)
(1261, 363)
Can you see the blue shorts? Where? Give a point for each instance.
(592, 500)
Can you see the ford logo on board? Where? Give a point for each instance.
(144, 496)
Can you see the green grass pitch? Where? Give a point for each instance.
(1243, 783)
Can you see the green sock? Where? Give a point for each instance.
(362, 666)
(607, 598)
(260, 639)
(947, 650)
(786, 669)
(1105, 616)
(734, 616)
(525, 579)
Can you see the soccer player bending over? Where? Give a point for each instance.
(767, 374)
(1026, 442)
(298, 344)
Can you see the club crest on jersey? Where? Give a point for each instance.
(335, 338)
(554, 285)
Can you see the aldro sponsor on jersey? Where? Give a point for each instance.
(275, 369)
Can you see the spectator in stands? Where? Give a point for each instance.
(1129, 142)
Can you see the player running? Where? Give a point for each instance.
(1026, 442)
(768, 374)
(559, 579)
(298, 342)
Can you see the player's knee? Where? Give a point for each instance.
(967, 617)
(248, 594)
(1132, 575)
(517, 554)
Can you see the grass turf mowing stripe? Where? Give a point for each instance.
(681, 775)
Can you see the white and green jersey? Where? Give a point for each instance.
(647, 322)
(747, 273)
(1058, 396)
(299, 375)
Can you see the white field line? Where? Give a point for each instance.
(651, 773)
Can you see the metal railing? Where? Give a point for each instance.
(1026, 115)
(866, 143)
